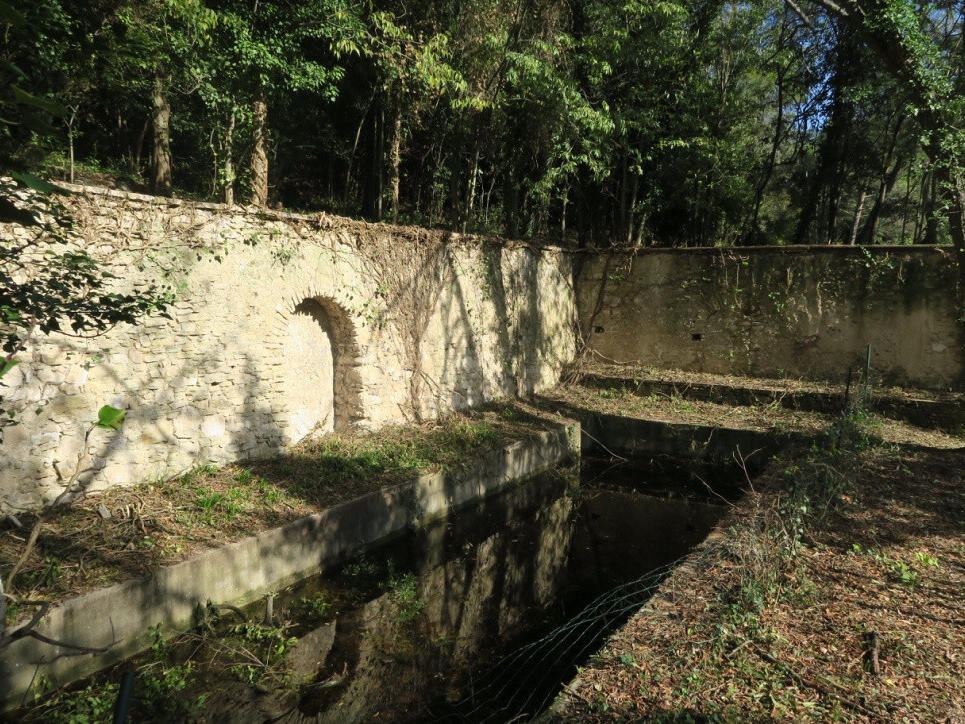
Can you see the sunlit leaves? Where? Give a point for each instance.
(110, 418)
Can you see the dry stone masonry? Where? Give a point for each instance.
(283, 326)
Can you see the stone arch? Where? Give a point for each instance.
(321, 359)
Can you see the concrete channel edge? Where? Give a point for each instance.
(122, 615)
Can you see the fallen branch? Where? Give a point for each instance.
(228, 607)
(28, 630)
(810, 683)
(613, 454)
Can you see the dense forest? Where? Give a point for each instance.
(668, 122)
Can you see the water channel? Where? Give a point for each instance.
(479, 617)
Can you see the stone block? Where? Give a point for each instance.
(213, 426)
(187, 423)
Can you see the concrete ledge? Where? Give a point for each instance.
(635, 436)
(244, 570)
(940, 414)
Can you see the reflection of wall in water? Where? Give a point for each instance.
(480, 588)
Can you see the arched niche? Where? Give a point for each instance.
(321, 362)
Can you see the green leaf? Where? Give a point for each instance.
(37, 124)
(22, 96)
(7, 366)
(6, 64)
(110, 418)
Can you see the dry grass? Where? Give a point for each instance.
(162, 522)
(682, 378)
(770, 417)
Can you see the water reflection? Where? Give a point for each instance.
(492, 591)
(480, 617)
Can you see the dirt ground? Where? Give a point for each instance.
(834, 590)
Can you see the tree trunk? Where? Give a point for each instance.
(931, 218)
(161, 150)
(885, 185)
(857, 218)
(259, 155)
(471, 201)
(395, 154)
(355, 145)
(70, 141)
(751, 229)
(831, 152)
(228, 182)
(139, 148)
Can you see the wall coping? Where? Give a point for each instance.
(790, 249)
(320, 219)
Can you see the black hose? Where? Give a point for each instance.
(123, 704)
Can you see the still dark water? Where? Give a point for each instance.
(480, 617)
(484, 616)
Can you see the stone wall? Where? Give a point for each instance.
(778, 311)
(284, 326)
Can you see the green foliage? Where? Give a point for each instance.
(90, 705)
(269, 645)
(668, 122)
(110, 418)
(50, 284)
(403, 590)
(315, 608)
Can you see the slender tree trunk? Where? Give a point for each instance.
(634, 190)
(620, 230)
(884, 188)
(228, 182)
(831, 151)
(355, 145)
(853, 238)
(139, 148)
(931, 218)
(471, 201)
(886, 183)
(259, 153)
(380, 166)
(161, 150)
(395, 155)
(904, 208)
(751, 230)
(70, 141)
(510, 204)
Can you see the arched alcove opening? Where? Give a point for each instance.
(321, 360)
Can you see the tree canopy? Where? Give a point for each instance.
(673, 122)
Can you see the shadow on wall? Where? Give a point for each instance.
(501, 329)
